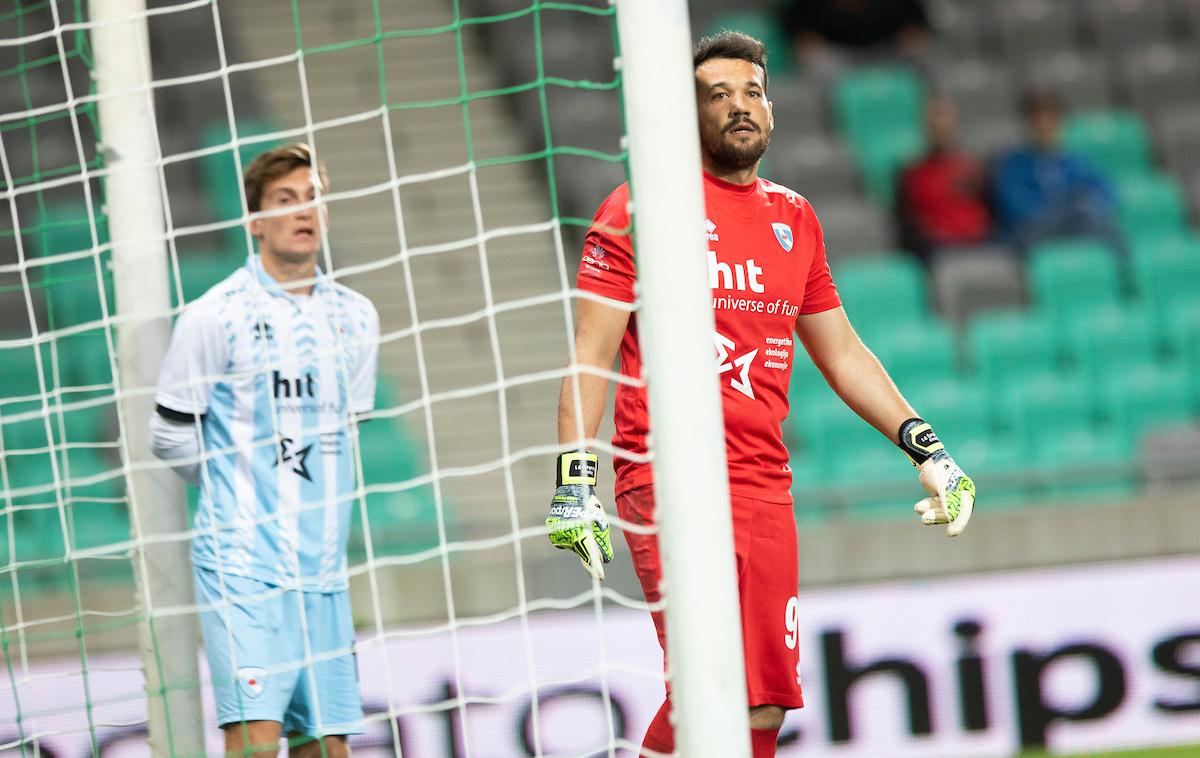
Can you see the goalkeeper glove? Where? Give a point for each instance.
(577, 520)
(951, 492)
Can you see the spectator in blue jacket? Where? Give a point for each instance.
(1041, 192)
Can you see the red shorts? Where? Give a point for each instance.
(764, 538)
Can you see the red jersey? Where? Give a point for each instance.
(766, 266)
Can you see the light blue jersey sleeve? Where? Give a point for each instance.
(195, 361)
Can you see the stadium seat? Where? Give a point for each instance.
(1166, 269)
(1115, 141)
(984, 92)
(1080, 80)
(967, 281)
(1151, 203)
(819, 168)
(1029, 27)
(199, 271)
(19, 370)
(1177, 125)
(1110, 342)
(1147, 396)
(799, 105)
(221, 175)
(71, 287)
(854, 227)
(1127, 24)
(84, 358)
(1072, 278)
(883, 156)
(1010, 345)
(1046, 407)
(832, 426)
(1155, 77)
(871, 102)
(916, 353)
(878, 482)
(760, 25)
(888, 287)
(1085, 464)
(959, 409)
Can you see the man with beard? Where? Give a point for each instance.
(770, 281)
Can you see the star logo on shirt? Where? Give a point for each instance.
(741, 382)
(298, 458)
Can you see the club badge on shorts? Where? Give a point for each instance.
(783, 233)
(252, 680)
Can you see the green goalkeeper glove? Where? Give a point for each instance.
(577, 520)
(951, 492)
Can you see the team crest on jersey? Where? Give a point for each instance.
(252, 680)
(783, 233)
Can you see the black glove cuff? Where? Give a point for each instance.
(577, 467)
(918, 440)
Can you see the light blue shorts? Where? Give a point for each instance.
(260, 668)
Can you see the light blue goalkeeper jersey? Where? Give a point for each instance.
(276, 378)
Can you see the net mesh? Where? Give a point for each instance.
(457, 192)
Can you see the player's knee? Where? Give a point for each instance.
(766, 717)
(335, 747)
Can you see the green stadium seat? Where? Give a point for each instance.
(1009, 345)
(1166, 269)
(873, 100)
(1146, 396)
(200, 271)
(1110, 341)
(1046, 408)
(878, 482)
(810, 489)
(1182, 323)
(882, 157)
(84, 359)
(763, 26)
(917, 354)
(882, 290)
(19, 370)
(1151, 203)
(221, 176)
(1115, 141)
(879, 111)
(832, 428)
(400, 521)
(1073, 277)
(1085, 464)
(65, 228)
(71, 288)
(958, 409)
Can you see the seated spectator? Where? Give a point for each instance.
(1041, 192)
(829, 34)
(941, 198)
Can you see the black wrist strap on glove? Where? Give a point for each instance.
(577, 467)
(918, 440)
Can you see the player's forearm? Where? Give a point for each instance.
(579, 413)
(864, 385)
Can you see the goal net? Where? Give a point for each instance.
(468, 143)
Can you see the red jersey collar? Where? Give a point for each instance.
(741, 189)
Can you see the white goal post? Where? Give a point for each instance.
(157, 504)
(691, 483)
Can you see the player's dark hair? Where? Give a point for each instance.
(727, 44)
(273, 164)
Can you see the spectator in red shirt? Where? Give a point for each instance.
(942, 196)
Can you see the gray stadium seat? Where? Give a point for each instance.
(974, 279)
(1124, 24)
(1178, 131)
(819, 168)
(958, 27)
(854, 226)
(799, 105)
(581, 118)
(1080, 80)
(982, 90)
(1033, 27)
(1169, 455)
(1160, 75)
(987, 139)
